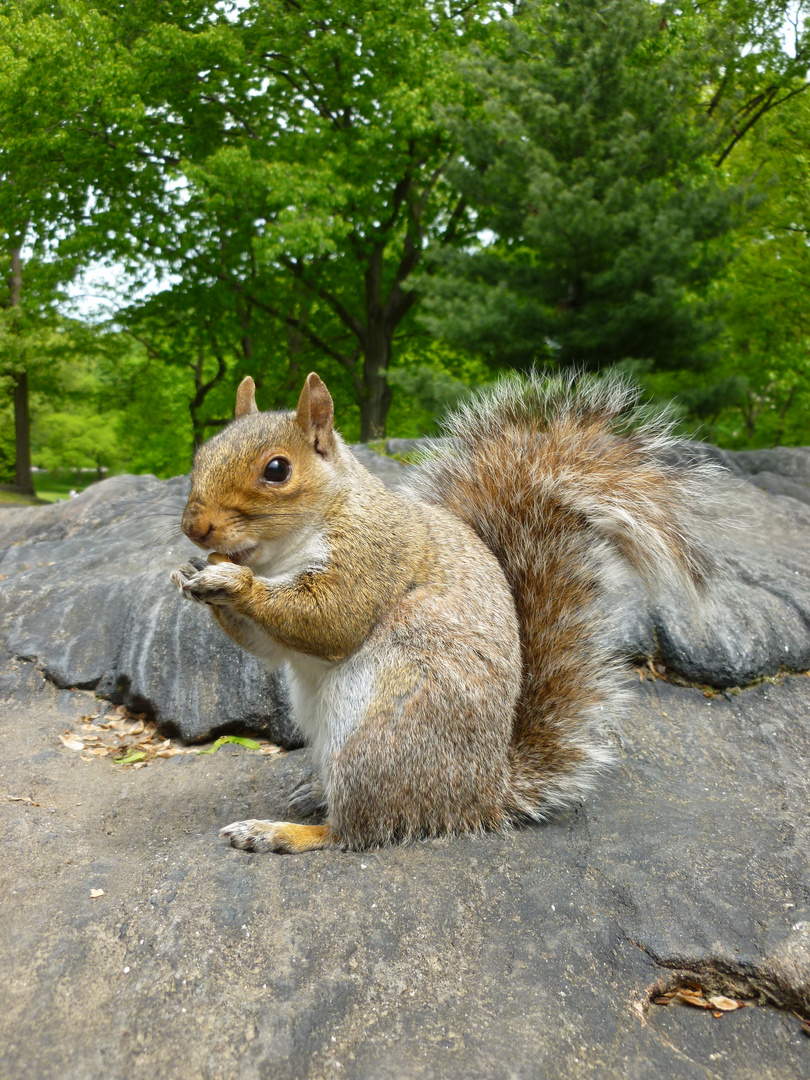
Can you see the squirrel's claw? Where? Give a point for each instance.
(215, 584)
(308, 799)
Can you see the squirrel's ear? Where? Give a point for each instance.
(245, 398)
(315, 414)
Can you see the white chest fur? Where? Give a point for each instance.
(282, 560)
(329, 700)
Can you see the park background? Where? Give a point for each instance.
(409, 197)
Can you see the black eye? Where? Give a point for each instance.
(277, 470)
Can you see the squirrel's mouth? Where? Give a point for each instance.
(242, 556)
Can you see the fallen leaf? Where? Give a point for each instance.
(692, 997)
(725, 1004)
(96, 893)
(251, 744)
(71, 742)
(131, 758)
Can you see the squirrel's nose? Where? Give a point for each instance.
(197, 533)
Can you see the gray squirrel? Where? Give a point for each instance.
(443, 648)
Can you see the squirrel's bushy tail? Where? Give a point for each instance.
(557, 480)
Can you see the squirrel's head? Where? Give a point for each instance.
(265, 477)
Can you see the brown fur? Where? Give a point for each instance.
(444, 660)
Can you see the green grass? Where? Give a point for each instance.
(8, 496)
(52, 486)
(49, 487)
(52, 489)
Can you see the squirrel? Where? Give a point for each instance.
(445, 646)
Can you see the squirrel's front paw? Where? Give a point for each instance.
(217, 584)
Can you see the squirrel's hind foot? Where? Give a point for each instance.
(308, 799)
(282, 837)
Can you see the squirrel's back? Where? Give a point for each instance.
(562, 492)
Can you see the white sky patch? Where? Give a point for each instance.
(103, 289)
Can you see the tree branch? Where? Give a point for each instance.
(306, 330)
(339, 309)
(769, 104)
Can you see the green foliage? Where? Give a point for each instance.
(7, 450)
(758, 392)
(293, 163)
(591, 168)
(596, 182)
(430, 378)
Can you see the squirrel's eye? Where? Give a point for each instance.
(277, 470)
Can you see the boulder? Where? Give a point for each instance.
(136, 945)
(86, 596)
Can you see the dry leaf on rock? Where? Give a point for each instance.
(725, 1004)
(693, 995)
(21, 798)
(133, 740)
(72, 742)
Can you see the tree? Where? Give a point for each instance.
(51, 80)
(592, 166)
(758, 392)
(303, 163)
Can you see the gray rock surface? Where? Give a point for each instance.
(519, 956)
(505, 957)
(85, 594)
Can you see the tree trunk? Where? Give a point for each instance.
(22, 431)
(375, 392)
(201, 389)
(296, 345)
(22, 420)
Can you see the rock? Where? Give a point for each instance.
(86, 596)
(135, 945)
(405, 447)
(390, 471)
(758, 620)
(531, 954)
